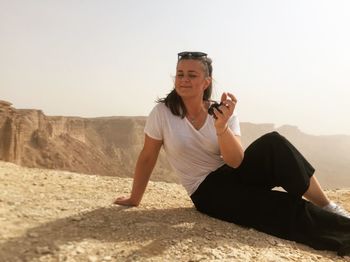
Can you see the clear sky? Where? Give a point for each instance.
(287, 61)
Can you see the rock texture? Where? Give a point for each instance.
(110, 145)
(105, 146)
(50, 215)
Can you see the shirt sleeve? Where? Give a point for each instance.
(153, 127)
(234, 125)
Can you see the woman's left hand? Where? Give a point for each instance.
(227, 108)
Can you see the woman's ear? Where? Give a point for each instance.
(207, 82)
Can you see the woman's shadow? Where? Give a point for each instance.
(161, 227)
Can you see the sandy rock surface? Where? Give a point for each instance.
(48, 215)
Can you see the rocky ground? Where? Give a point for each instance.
(48, 215)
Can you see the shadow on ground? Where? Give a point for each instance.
(161, 228)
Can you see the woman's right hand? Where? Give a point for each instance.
(144, 166)
(125, 201)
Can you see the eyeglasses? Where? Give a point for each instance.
(191, 55)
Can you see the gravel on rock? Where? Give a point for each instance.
(50, 215)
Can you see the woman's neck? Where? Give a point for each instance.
(193, 106)
(196, 112)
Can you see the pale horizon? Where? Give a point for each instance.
(287, 62)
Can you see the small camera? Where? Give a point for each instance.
(212, 106)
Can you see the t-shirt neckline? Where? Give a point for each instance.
(198, 130)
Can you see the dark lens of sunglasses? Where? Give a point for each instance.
(212, 106)
(191, 54)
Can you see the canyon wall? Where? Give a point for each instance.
(110, 145)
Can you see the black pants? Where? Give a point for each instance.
(244, 196)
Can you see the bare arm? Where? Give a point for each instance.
(144, 167)
(230, 145)
(231, 148)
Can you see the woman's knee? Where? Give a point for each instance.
(272, 136)
(263, 142)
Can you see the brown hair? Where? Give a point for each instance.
(174, 102)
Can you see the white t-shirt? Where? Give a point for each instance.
(193, 154)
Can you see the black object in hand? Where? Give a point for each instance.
(212, 106)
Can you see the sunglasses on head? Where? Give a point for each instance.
(191, 55)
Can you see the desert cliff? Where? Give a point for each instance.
(110, 145)
(104, 146)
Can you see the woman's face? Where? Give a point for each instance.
(191, 79)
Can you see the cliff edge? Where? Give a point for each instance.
(109, 146)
